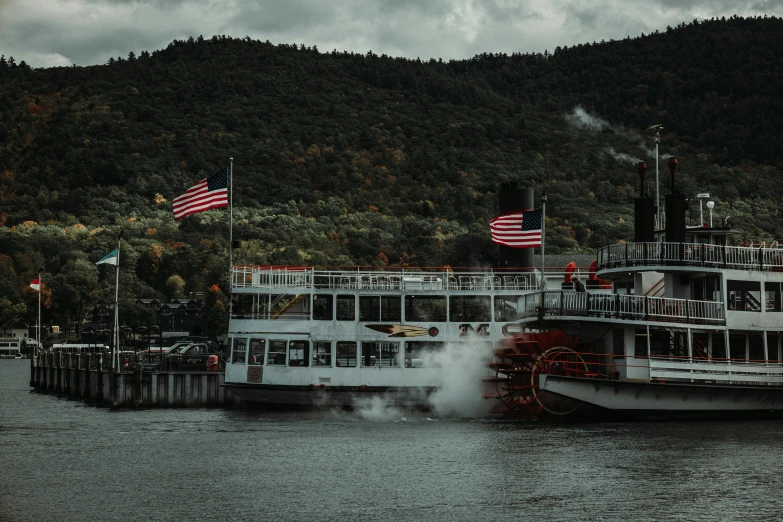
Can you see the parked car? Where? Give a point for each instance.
(192, 356)
(151, 359)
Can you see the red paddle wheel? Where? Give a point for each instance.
(520, 360)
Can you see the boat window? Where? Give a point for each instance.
(772, 297)
(509, 307)
(659, 342)
(640, 346)
(737, 346)
(380, 354)
(423, 354)
(346, 354)
(346, 307)
(380, 308)
(298, 353)
(718, 345)
(744, 295)
(322, 307)
(239, 350)
(755, 348)
(469, 308)
(256, 355)
(773, 347)
(370, 308)
(425, 308)
(322, 353)
(277, 352)
(391, 308)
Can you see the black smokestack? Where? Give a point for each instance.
(675, 210)
(513, 198)
(644, 211)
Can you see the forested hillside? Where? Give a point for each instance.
(343, 159)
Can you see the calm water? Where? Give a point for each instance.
(60, 460)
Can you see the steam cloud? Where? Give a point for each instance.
(622, 157)
(459, 393)
(581, 119)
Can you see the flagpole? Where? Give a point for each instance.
(38, 328)
(543, 239)
(230, 221)
(116, 343)
(230, 234)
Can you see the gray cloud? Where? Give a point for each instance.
(60, 32)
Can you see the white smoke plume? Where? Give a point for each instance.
(460, 394)
(581, 119)
(622, 157)
(459, 390)
(378, 409)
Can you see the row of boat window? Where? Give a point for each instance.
(741, 346)
(418, 308)
(747, 296)
(343, 354)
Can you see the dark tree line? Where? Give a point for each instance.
(345, 158)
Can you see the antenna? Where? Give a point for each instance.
(655, 133)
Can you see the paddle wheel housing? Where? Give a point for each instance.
(519, 362)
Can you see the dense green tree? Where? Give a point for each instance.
(354, 158)
(74, 292)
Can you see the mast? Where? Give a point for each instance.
(543, 237)
(230, 237)
(116, 340)
(38, 326)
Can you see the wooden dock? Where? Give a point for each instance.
(88, 377)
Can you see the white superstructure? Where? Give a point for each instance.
(680, 323)
(308, 335)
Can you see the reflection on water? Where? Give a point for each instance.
(61, 460)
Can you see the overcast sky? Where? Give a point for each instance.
(85, 32)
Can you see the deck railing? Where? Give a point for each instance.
(668, 368)
(393, 279)
(569, 303)
(687, 254)
(720, 371)
(621, 306)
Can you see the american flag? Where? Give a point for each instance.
(208, 193)
(518, 230)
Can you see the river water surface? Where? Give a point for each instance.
(61, 460)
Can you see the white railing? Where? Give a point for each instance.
(282, 278)
(720, 371)
(686, 254)
(630, 307)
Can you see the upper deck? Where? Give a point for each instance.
(627, 255)
(310, 279)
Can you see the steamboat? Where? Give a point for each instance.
(678, 323)
(304, 335)
(690, 330)
(332, 336)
